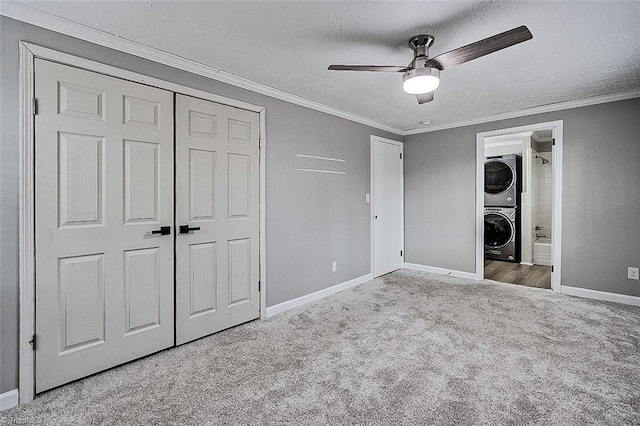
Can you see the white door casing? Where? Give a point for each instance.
(217, 191)
(387, 201)
(103, 183)
(556, 203)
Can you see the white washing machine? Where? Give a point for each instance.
(501, 239)
(502, 180)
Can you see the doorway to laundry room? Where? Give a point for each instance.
(517, 204)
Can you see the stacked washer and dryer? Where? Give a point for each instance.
(502, 188)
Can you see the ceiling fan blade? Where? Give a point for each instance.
(424, 98)
(375, 68)
(480, 48)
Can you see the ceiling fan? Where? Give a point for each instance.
(422, 76)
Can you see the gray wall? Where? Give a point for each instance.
(439, 199)
(600, 189)
(312, 219)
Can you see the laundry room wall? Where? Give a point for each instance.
(543, 196)
(503, 148)
(312, 218)
(600, 205)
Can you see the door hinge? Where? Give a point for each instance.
(34, 106)
(401, 156)
(259, 285)
(551, 268)
(400, 253)
(33, 342)
(553, 141)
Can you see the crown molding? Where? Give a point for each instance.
(47, 21)
(594, 100)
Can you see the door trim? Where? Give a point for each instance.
(556, 203)
(27, 54)
(26, 369)
(374, 139)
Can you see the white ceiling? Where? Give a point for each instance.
(578, 50)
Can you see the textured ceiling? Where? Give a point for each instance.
(579, 49)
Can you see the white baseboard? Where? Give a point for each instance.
(302, 300)
(441, 271)
(600, 295)
(8, 399)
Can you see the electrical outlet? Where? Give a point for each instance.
(633, 273)
(334, 266)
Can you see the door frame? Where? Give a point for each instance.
(28, 52)
(556, 196)
(374, 139)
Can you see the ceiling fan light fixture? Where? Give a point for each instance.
(421, 80)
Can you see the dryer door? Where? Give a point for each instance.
(498, 177)
(498, 230)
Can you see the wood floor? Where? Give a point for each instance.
(516, 273)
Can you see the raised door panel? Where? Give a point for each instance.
(79, 101)
(239, 131)
(142, 289)
(203, 125)
(239, 186)
(141, 181)
(81, 291)
(202, 184)
(80, 179)
(141, 112)
(239, 271)
(203, 278)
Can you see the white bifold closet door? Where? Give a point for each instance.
(217, 199)
(103, 184)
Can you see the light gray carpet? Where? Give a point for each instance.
(408, 348)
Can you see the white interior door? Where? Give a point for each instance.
(217, 197)
(103, 183)
(387, 205)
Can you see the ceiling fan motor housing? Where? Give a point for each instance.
(421, 44)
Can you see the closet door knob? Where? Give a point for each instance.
(185, 229)
(164, 230)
